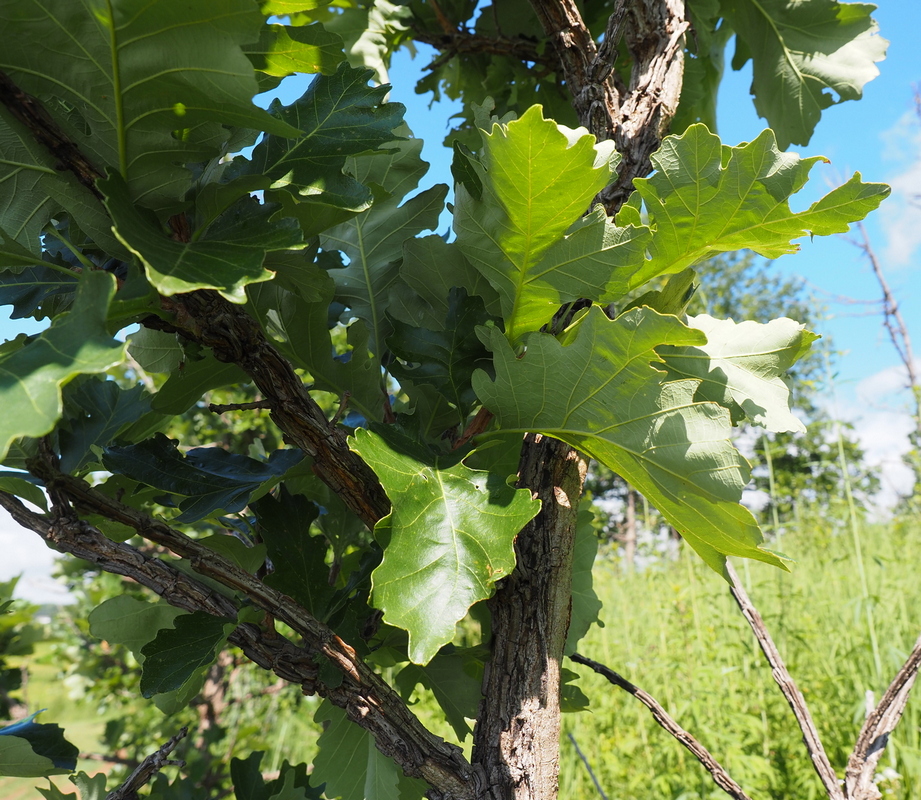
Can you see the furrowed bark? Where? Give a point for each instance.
(517, 735)
(516, 740)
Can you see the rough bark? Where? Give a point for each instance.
(517, 736)
(516, 740)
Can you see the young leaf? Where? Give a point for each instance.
(227, 257)
(741, 367)
(538, 180)
(176, 655)
(600, 394)
(31, 377)
(134, 73)
(804, 55)
(211, 479)
(706, 198)
(447, 541)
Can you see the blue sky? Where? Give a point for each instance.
(879, 135)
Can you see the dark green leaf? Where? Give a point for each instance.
(585, 603)
(445, 359)
(45, 740)
(177, 654)
(183, 389)
(211, 479)
(298, 558)
(95, 410)
(227, 257)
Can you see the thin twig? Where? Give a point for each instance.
(149, 767)
(788, 687)
(588, 766)
(874, 735)
(719, 773)
(217, 408)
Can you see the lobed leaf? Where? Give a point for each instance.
(129, 73)
(806, 57)
(526, 233)
(447, 541)
(706, 198)
(599, 392)
(227, 257)
(741, 367)
(209, 478)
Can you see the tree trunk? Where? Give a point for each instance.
(516, 741)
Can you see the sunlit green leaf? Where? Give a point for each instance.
(741, 367)
(600, 393)
(527, 233)
(706, 198)
(446, 542)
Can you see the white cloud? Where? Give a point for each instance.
(24, 553)
(882, 423)
(900, 215)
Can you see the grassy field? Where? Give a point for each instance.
(674, 630)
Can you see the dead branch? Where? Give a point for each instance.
(149, 767)
(874, 735)
(720, 775)
(788, 687)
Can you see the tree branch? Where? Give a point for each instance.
(149, 767)
(235, 337)
(635, 117)
(874, 735)
(27, 110)
(367, 699)
(458, 42)
(788, 687)
(660, 715)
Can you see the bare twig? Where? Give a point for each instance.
(788, 687)
(588, 766)
(874, 735)
(149, 767)
(218, 408)
(894, 323)
(720, 776)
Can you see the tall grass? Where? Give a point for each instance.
(675, 631)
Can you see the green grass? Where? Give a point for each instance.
(676, 632)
